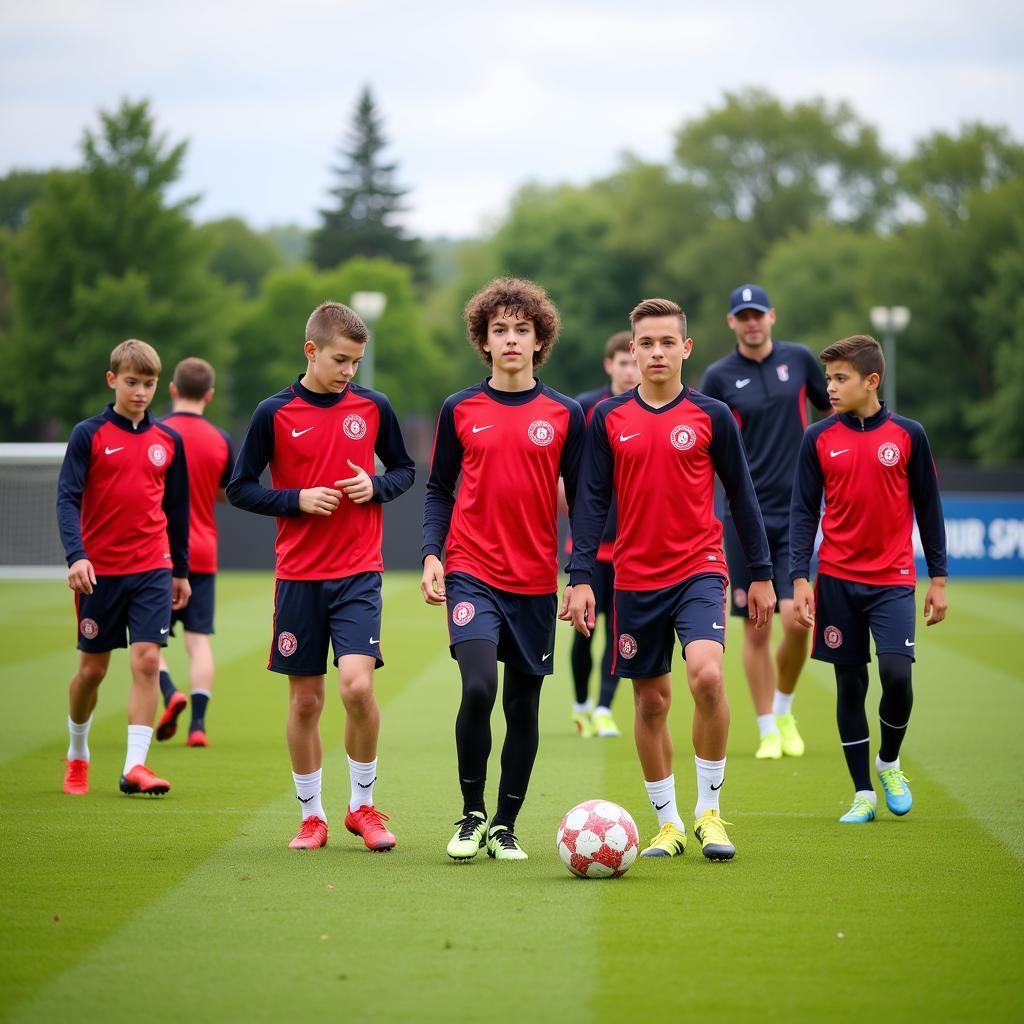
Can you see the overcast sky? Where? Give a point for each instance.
(476, 98)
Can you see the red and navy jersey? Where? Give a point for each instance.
(210, 460)
(510, 448)
(588, 403)
(123, 496)
(769, 400)
(875, 475)
(307, 440)
(660, 465)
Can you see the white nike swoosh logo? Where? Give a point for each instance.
(476, 430)
(629, 437)
(372, 641)
(110, 451)
(908, 643)
(842, 451)
(742, 383)
(715, 625)
(544, 657)
(165, 630)
(299, 433)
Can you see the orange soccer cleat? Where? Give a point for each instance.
(76, 777)
(197, 738)
(168, 724)
(141, 780)
(311, 836)
(368, 822)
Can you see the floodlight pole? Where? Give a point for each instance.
(889, 321)
(370, 306)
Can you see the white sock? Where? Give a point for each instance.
(884, 766)
(78, 749)
(662, 795)
(362, 777)
(710, 779)
(307, 791)
(868, 794)
(584, 708)
(782, 703)
(602, 710)
(139, 738)
(766, 725)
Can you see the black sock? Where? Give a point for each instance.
(897, 700)
(609, 683)
(582, 662)
(520, 699)
(851, 691)
(167, 687)
(199, 702)
(478, 665)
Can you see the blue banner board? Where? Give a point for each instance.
(984, 535)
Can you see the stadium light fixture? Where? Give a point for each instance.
(370, 306)
(889, 321)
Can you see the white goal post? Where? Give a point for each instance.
(30, 546)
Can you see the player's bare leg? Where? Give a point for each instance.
(143, 697)
(305, 705)
(789, 658)
(82, 696)
(760, 670)
(200, 661)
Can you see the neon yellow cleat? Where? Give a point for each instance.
(469, 837)
(503, 845)
(770, 748)
(710, 830)
(584, 724)
(792, 742)
(604, 724)
(669, 842)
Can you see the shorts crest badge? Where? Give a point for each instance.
(287, 644)
(627, 646)
(89, 629)
(462, 613)
(833, 637)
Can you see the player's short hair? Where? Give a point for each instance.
(333, 320)
(135, 355)
(618, 342)
(193, 377)
(657, 307)
(514, 296)
(861, 351)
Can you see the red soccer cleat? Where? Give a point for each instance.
(168, 724)
(368, 822)
(311, 836)
(141, 780)
(76, 777)
(197, 738)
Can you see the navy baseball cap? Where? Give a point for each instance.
(748, 296)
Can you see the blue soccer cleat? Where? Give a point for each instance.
(860, 813)
(897, 792)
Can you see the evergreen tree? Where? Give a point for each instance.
(364, 222)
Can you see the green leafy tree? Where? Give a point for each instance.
(18, 191)
(369, 202)
(239, 254)
(103, 257)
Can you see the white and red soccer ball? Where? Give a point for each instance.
(598, 839)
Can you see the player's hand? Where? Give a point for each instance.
(181, 591)
(803, 603)
(563, 613)
(582, 608)
(760, 603)
(935, 602)
(432, 580)
(81, 576)
(319, 501)
(358, 488)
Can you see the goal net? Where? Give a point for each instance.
(29, 540)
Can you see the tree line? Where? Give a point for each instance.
(801, 198)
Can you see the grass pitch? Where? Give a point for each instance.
(191, 907)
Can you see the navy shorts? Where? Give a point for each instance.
(125, 609)
(311, 615)
(846, 613)
(645, 621)
(197, 615)
(777, 530)
(522, 626)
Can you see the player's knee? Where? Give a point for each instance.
(708, 684)
(306, 704)
(145, 660)
(357, 692)
(652, 704)
(480, 692)
(894, 671)
(92, 674)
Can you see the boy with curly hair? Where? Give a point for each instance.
(509, 437)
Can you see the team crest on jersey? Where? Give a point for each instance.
(157, 454)
(541, 433)
(832, 636)
(889, 453)
(627, 646)
(739, 597)
(783, 372)
(287, 644)
(89, 629)
(683, 437)
(462, 613)
(354, 426)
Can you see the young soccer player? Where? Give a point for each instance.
(620, 366)
(122, 508)
(657, 450)
(209, 457)
(876, 473)
(509, 437)
(767, 385)
(319, 437)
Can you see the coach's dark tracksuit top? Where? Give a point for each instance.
(210, 461)
(510, 448)
(875, 475)
(307, 440)
(123, 496)
(769, 402)
(660, 464)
